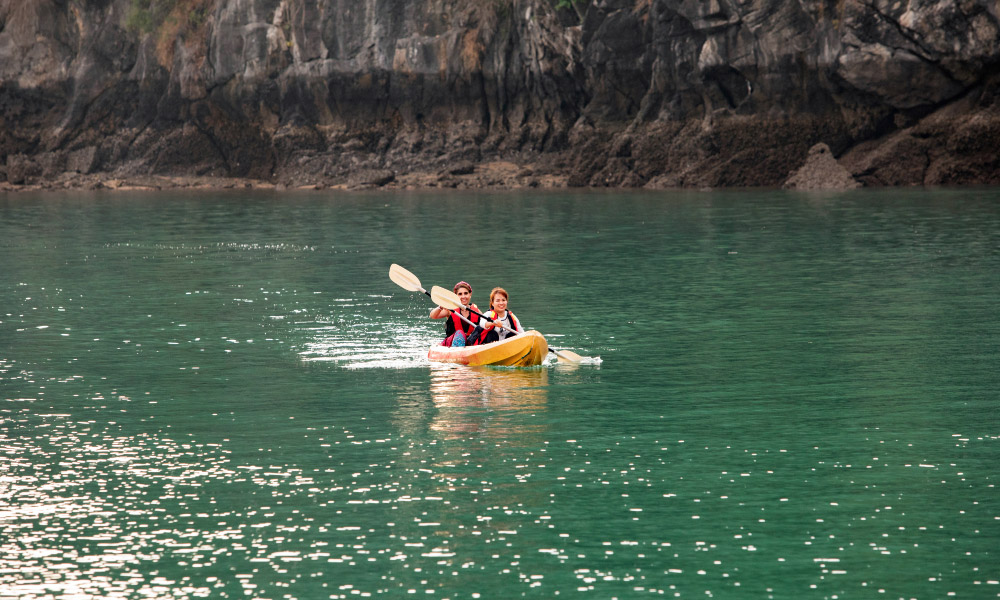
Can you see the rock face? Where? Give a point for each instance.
(655, 93)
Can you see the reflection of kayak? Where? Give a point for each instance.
(523, 350)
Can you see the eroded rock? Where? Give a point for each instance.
(821, 172)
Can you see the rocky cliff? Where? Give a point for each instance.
(654, 93)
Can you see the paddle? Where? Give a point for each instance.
(451, 301)
(408, 281)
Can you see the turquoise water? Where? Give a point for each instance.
(223, 395)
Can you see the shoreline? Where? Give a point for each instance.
(820, 172)
(496, 175)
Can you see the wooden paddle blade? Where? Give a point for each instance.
(404, 279)
(445, 298)
(567, 355)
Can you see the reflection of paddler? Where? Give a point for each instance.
(466, 397)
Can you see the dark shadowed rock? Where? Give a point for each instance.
(462, 167)
(22, 169)
(371, 177)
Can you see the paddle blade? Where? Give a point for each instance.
(568, 356)
(445, 298)
(404, 279)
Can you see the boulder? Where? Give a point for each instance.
(82, 161)
(22, 169)
(821, 171)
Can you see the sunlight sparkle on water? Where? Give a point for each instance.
(223, 396)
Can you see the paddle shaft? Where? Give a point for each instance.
(456, 312)
(482, 316)
(566, 355)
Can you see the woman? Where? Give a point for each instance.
(455, 329)
(498, 322)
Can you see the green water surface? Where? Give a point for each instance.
(223, 395)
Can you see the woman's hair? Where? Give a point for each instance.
(498, 290)
(462, 284)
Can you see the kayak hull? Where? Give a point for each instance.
(527, 349)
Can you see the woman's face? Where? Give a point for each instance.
(464, 295)
(500, 302)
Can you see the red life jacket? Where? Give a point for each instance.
(457, 324)
(490, 316)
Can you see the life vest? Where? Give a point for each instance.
(490, 316)
(455, 323)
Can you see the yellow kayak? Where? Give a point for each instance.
(523, 350)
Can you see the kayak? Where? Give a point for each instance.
(523, 350)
